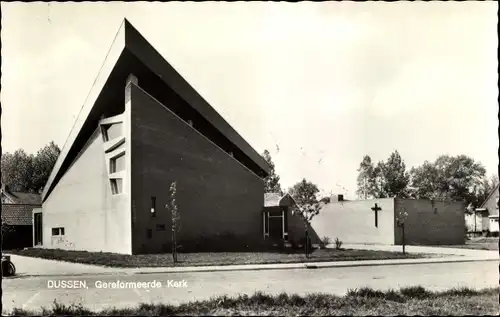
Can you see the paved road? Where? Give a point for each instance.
(32, 293)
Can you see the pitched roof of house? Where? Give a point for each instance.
(276, 200)
(495, 190)
(23, 198)
(271, 199)
(17, 214)
(131, 53)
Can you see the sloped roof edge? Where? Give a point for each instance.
(21, 198)
(128, 38)
(491, 194)
(112, 57)
(143, 50)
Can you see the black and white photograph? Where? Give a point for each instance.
(249, 158)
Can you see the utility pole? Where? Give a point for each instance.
(403, 236)
(400, 221)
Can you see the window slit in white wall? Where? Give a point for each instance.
(117, 164)
(116, 186)
(104, 132)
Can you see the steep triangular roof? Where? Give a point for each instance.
(495, 190)
(131, 53)
(23, 198)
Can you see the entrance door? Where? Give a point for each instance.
(276, 228)
(276, 224)
(38, 228)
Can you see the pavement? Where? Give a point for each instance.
(29, 267)
(444, 251)
(33, 293)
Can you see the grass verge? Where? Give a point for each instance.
(365, 301)
(489, 243)
(209, 259)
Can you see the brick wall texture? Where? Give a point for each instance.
(220, 201)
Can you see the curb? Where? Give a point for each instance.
(291, 266)
(21, 276)
(316, 265)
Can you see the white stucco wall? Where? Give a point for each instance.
(82, 203)
(354, 222)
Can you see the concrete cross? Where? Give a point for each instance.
(376, 208)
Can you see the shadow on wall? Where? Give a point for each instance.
(296, 230)
(315, 238)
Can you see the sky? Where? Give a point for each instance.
(319, 85)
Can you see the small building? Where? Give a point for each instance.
(17, 227)
(477, 221)
(489, 212)
(283, 220)
(493, 219)
(277, 210)
(374, 221)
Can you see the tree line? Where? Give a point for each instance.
(458, 178)
(447, 178)
(29, 173)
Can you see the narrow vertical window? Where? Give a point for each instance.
(153, 206)
(105, 136)
(149, 233)
(117, 163)
(266, 224)
(285, 222)
(116, 186)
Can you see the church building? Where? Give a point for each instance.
(141, 128)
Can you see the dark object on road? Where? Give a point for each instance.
(8, 268)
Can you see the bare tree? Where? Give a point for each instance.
(401, 217)
(174, 211)
(309, 211)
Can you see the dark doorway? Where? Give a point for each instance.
(275, 223)
(38, 229)
(276, 228)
